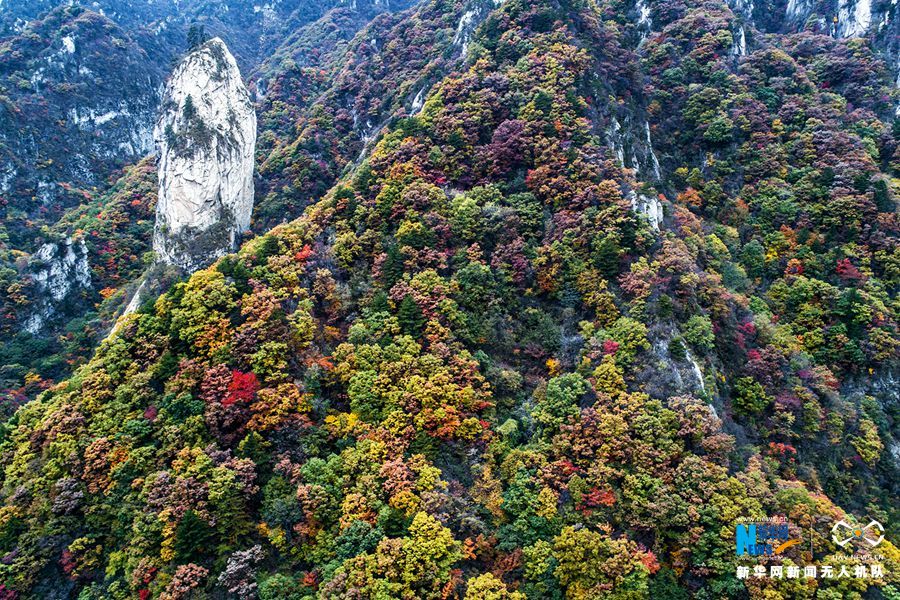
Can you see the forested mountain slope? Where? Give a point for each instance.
(621, 280)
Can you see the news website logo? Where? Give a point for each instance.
(766, 537)
(763, 540)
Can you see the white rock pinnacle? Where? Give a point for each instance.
(206, 135)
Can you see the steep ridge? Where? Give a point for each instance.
(873, 20)
(101, 73)
(443, 380)
(81, 88)
(328, 103)
(116, 229)
(251, 29)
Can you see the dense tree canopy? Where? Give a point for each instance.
(472, 369)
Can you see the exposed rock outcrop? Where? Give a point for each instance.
(58, 270)
(476, 12)
(79, 101)
(650, 207)
(206, 135)
(838, 18)
(854, 17)
(632, 146)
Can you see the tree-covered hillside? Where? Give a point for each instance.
(616, 283)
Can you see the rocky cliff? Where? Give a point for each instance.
(59, 271)
(206, 135)
(80, 89)
(838, 18)
(77, 101)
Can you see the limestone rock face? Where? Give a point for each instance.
(58, 270)
(206, 136)
(650, 207)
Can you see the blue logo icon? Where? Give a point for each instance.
(762, 539)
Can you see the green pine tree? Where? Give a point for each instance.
(410, 316)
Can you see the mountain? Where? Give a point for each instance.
(72, 120)
(86, 83)
(251, 29)
(78, 99)
(329, 101)
(556, 293)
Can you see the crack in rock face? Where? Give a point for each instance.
(206, 135)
